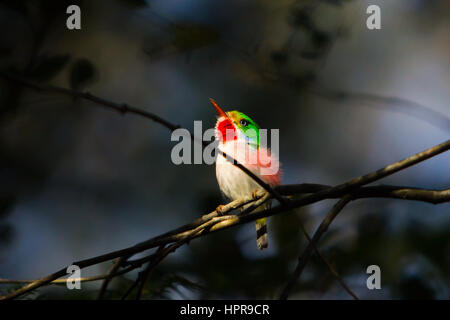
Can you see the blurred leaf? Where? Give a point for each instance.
(48, 67)
(82, 74)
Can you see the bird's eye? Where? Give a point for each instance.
(243, 122)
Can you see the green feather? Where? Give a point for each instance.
(247, 126)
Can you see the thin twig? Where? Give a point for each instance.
(382, 191)
(400, 105)
(330, 267)
(117, 264)
(64, 280)
(303, 259)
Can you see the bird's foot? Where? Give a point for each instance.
(220, 210)
(256, 194)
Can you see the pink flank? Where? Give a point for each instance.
(265, 160)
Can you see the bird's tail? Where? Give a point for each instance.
(261, 226)
(261, 233)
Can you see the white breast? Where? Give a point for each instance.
(233, 182)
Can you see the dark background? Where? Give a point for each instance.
(78, 180)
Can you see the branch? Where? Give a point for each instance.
(174, 236)
(64, 280)
(400, 105)
(57, 281)
(117, 264)
(381, 191)
(429, 196)
(330, 267)
(303, 260)
(432, 196)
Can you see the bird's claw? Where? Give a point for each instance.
(256, 194)
(220, 210)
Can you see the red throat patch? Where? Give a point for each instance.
(226, 131)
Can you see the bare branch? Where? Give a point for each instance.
(117, 264)
(381, 191)
(302, 261)
(173, 236)
(399, 105)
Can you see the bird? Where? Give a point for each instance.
(239, 137)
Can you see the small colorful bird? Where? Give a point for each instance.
(239, 137)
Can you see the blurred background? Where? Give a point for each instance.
(78, 180)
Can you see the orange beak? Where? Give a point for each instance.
(219, 111)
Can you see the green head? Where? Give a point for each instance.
(233, 125)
